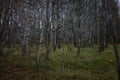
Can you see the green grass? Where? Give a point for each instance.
(90, 65)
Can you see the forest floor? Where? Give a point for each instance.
(90, 65)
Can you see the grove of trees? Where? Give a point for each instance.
(54, 24)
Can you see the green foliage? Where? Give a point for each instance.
(90, 65)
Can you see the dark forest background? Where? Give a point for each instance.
(59, 40)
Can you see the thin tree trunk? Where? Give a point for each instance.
(78, 47)
(1, 5)
(47, 31)
(39, 50)
(116, 55)
(116, 48)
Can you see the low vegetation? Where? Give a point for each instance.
(90, 65)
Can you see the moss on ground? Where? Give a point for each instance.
(90, 65)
